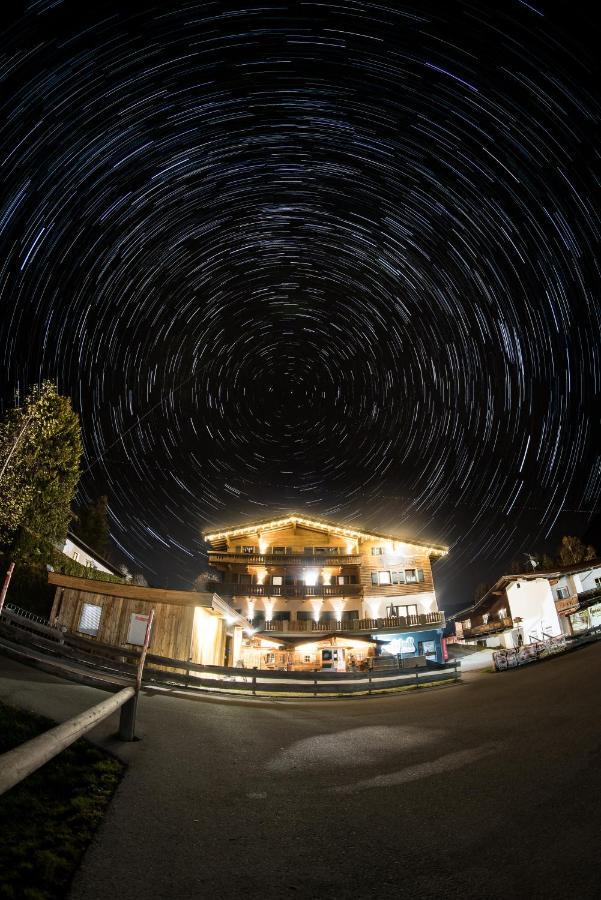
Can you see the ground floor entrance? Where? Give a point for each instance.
(332, 653)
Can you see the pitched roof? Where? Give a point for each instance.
(318, 524)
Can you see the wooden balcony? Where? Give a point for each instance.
(358, 626)
(567, 605)
(493, 627)
(284, 559)
(321, 591)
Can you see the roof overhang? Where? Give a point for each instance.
(320, 525)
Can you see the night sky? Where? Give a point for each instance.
(338, 258)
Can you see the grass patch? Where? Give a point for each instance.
(48, 820)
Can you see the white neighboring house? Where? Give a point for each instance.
(533, 606)
(76, 550)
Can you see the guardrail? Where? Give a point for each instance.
(17, 764)
(120, 662)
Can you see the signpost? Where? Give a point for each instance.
(127, 724)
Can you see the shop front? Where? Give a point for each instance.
(427, 644)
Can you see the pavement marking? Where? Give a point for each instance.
(445, 763)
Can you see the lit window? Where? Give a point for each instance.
(89, 621)
(502, 613)
(485, 617)
(277, 579)
(377, 551)
(75, 555)
(249, 549)
(383, 577)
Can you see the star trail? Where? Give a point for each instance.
(339, 258)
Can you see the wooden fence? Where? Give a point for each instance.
(117, 662)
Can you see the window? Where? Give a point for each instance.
(75, 555)
(349, 614)
(269, 659)
(89, 621)
(411, 576)
(562, 593)
(249, 549)
(398, 577)
(277, 579)
(485, 617)
(597, 582)
(244, 578)
(503, 613)
(281, 615)
(467, 624)
(377, 551)
(307, 658)
(137, 629)
(343, 579)
(323, 550)
(383, 577)
(280, 551)
(303, 615)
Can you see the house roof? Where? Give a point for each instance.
(75, 539)
(319, 524)
(531, 575)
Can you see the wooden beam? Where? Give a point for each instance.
(132, 591)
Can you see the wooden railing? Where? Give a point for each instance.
(364, 625)
(495, 625)
(119, 663)
(17, 764)
(287, 590)
(301, 559)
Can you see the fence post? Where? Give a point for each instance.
(7, 577)
(254, 684)
(416, 677)
(456, 670)
(369, 683)
(127, 719)
(315, 687)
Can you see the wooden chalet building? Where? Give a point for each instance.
(534, 606)
(320, 595)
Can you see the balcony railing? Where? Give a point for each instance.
(399, 623)
(567, 604)
(288, 559)
(287, 590)
(492, 627)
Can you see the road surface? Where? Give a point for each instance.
(487, 789)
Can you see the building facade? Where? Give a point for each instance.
(533, 606)
(79, 551)
(189, 625)
(320, 595)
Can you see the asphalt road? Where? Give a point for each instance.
(483, 790)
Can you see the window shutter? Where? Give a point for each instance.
(90, 619)
(374, 578)
(420, 574)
